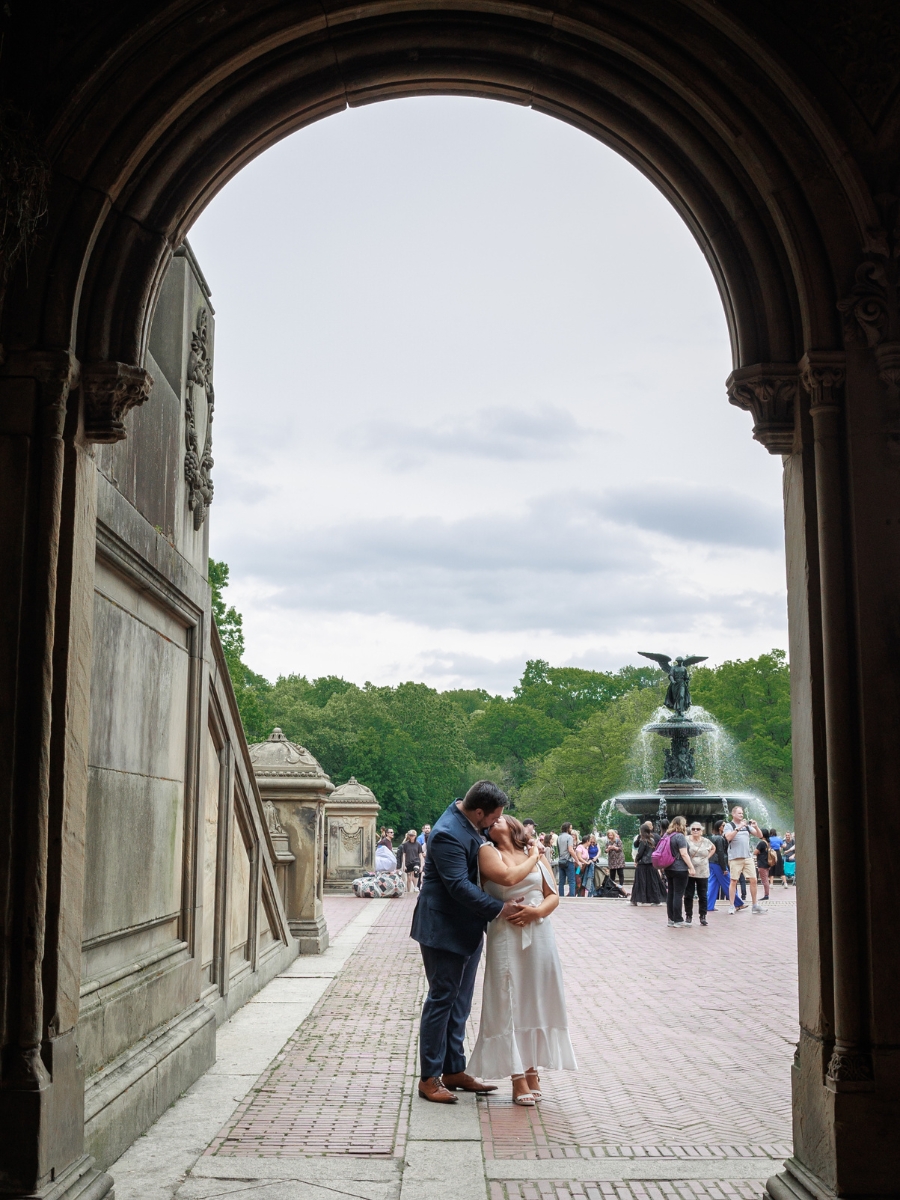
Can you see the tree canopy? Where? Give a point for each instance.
(561, 745)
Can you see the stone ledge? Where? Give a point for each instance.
(129, 1094)
(614, 1170)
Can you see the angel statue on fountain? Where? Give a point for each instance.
(678, 695)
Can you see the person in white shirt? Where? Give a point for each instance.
(740, 857)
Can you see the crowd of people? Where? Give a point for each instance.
(675, 867)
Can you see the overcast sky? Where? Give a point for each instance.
(470, 408)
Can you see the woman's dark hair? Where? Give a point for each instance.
(771, 833)
(520, 838)
(647, 833)
(486, 795)
(547, 839)
(766, 834)
(566, 827)
(586, 839)
(718, 825)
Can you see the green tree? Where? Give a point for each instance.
(751, 698)
(469, 699)
(570, 695)
(509, 733)
(406, 743)
(251, 690)
(573, 781)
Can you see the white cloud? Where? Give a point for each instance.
(470, 407)
(505, 434)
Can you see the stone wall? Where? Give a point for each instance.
(183, 921)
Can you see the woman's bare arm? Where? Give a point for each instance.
(494, 867)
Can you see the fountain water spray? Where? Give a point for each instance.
(680, 788)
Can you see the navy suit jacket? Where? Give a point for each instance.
(452, 911)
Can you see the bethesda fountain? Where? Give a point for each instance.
(679, 786)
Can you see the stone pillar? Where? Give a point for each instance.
(350, 821)
(842, 483)
(290, 778)
(47, 545)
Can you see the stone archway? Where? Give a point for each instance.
(772, 151)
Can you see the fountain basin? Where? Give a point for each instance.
(701, 806)
(690, 729)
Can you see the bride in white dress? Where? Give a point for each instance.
(523, 1011)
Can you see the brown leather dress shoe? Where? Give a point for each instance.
(434, 1090)
(460, 1081)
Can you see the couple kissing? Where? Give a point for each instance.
(501, 884)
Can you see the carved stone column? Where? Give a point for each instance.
(823, 379)
(46, 563)
(846, 1077)
(289, 777)
(769, 392)
(350, 821)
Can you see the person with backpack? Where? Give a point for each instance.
(671, 855)
(648, 886)
(765, 859)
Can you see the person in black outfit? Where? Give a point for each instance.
(648, 886)
(678, 873)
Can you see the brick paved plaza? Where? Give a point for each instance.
(684, 1041)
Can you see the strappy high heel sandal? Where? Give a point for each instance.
(534, 1084)
(526, 1100)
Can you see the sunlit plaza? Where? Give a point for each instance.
(683, 1087)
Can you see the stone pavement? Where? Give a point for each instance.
(684, 1041)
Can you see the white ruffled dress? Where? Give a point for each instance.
(523, 1008)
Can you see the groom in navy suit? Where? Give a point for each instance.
(449, 921)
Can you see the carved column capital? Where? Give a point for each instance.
(872, 309)
(111, 391)
(823, 373)
(850, 1070)
(769, 392)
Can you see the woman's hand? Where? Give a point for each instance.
(527, 916)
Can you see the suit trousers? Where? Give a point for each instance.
(442, 1032)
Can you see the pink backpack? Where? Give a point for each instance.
(662, 856)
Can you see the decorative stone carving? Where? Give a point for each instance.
(198, 464)
(111, 391)
(351, 820)
(769, 392)
(275, 826)
(872, 310)
(294, 788)
(851, 1070)
(823, 373)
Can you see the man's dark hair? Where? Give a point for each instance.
(566, 827)
(485, 795)
(718, 825)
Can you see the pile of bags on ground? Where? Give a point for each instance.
(379, 885)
